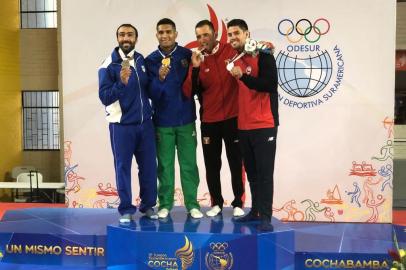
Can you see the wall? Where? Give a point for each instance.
(10, 106)
(39, 71)
(401, 26)
(39, 59)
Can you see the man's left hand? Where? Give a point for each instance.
(236, 72)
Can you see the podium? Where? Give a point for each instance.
(212, 243)
(92, 239)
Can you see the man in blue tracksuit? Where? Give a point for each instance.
(123, 83)
(174, 119)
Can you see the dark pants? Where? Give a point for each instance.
(212, 136)
(139, 141)
(258, 147)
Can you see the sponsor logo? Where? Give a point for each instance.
(183, 259)
(218, 258)
(310, 69)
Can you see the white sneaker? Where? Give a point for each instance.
(150, 213)
(214, 211)
(238, 212)
(125, 219)
(163, 213)
(195, 213)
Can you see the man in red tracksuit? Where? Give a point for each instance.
(257, 120)
(216, 90)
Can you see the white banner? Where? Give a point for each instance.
(336, 99)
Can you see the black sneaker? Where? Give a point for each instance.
(251, 216)
(265, 226)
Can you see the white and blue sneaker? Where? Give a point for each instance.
(125, 219)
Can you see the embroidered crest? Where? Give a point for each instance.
(248, 70)
(206, 140)
(184, 63)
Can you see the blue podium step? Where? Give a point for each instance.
(91, 239)
(196, 244)
(55, 236)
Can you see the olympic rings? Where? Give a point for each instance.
(309, 27)
(304, 24)
(294, 41)
(219, 246)
(315, 30)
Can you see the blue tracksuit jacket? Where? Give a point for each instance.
(132, 98)
(171, 107)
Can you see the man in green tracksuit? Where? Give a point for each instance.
(174, 118)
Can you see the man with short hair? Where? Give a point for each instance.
(123, 86)
(258, 120)
(216, 90)
(174, 118)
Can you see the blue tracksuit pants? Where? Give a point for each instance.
(139, 141)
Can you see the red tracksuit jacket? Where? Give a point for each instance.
(216, 88)
(258, 92)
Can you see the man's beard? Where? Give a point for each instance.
(126, 49)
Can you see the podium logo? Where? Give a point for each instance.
(305, 65)
(184, 254)
(219, 259)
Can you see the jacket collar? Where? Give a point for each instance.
(116, 57)
(163, 54)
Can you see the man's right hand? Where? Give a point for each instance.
(125, 74)
(163, 72)
(196, 58)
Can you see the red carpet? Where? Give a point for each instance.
(399, 217)
(11, 206)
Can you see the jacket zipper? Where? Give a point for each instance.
(139, 87)
(222, 89)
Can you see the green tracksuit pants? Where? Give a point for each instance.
(184, 140)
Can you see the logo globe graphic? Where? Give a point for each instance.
(303, 77)
(220, 262)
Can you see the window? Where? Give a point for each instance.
(41, 120)
(38, 13)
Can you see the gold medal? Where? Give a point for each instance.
(166, 61)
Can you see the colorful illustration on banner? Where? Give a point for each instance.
(71, 177)
(355, 194)
(386, 152)
(312, 210)
(388, 124)
(362, 169)
(373, 205)
(109, 190)
(333, 196)
(386, 172)
(289, 208)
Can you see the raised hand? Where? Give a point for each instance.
(125, 74)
